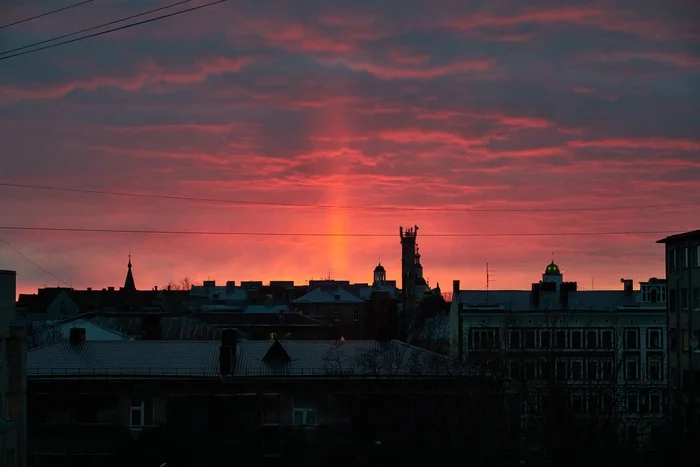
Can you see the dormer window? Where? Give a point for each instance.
(337, 297)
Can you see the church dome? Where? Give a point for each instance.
(552, 270)
(379, 268)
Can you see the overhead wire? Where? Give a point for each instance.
(33, 263)
(338, 206)
(53, 39)
(335, 234)
(26, 20)
(126, 26)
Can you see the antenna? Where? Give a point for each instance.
(592, 283)
(489, 279)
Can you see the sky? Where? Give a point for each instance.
(400, 112)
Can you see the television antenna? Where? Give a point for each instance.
(489, 279)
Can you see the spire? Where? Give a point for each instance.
(129, 283)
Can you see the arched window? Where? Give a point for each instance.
(654, 295)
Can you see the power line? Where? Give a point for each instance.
(332, 234)
(33, 263)
(94, 27)
(45, 14)
(335, 206)
(126, 26)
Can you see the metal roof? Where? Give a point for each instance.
(201, 359)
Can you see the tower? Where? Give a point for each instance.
(379, 275)
(408, 272)
(552, 274)
(129, 283)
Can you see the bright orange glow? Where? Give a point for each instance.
(440, 105)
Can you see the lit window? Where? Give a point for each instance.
(142, 413)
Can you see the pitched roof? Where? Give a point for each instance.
(328, 294)
(201, 359)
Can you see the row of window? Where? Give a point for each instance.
(686, 337)
(685, 257)
(355, 315)
(632, 403)
(590, 370)
(488, 338)
(685, 300)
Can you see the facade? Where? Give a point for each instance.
(251, 403)
(683, 276)
(591, 352)
(13, 403)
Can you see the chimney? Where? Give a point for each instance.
(110, 289)
(535, 296)
(77, 336)
(628, 286)
(8, 295)
(455, 288)
(150, 327)
(227, 351)
(89, 289)
(155, 287)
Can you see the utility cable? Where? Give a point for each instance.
(33, 263)
(126, 26)
(94, 27)
(332, 234)
(45, 14)
(335, 206)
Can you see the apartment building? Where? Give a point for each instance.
(600, 352)
(683, 319)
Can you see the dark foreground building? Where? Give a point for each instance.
(209, 403)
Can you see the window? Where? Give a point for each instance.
(576, 370)
(608, 403)
(592, 371)
(696, 256)
(483, 339)
(653, 338)
(529, 339)
(514, 339)
(685, 258)
(686, 341)
(576, 403)
(672, 259)
(142, 412)
(684, 299)
(632, 403)
(632, 370)
(270, 409)
(336, 315)
(546, 339)
(606, 338)
(672, 340)
(696, 298)
(560, 338)
(631, 338)
(355, 315)
(514, 370)
(561, 371)
(655, 402)
(576, 339)
(654, 370)
(531, 371)
(546, 370)
(591, 339)
(304, 416)
(606, 370)
(672, 300)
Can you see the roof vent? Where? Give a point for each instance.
(337, 297)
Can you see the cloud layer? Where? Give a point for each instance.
(456, 105)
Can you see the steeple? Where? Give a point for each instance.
(129, 283)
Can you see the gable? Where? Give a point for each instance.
(276, 354)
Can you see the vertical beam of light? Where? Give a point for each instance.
(334, 124)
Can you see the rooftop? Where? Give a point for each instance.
(685, 236)
(183, 359)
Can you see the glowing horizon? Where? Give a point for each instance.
(409, 105)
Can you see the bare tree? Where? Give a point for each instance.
(43, 333)
(574, 388)
(185, 283)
